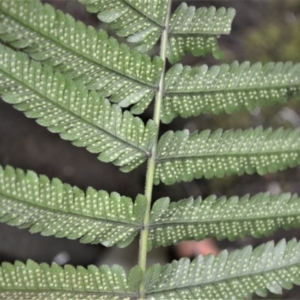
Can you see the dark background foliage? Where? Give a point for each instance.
(262, 31)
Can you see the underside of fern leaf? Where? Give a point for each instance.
(141, 21)
(182, 156)
(65, 75)
(33, 281)
(196, 31)
(69, 109)
(80, 52)
(53, 208)
(221, 218)
(237, 275)
(227, 88)
(190, 30)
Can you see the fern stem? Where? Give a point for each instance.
(152, 158)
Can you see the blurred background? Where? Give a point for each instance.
(262, 31)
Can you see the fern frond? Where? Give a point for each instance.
(235, 276)
(196, 31)
(141, 21)
(222, 218)
(66, 107)
(41, 281)
(82, 53)
(184, 156)
(190, 31)
(54, 208)
(193, 91)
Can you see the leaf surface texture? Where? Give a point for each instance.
(196, 30)
(227, 88)
(81, 52)
(182, 156)
(53, 208)
(44, 282)
(141, 21)
(237, 275)
(222, 218)
(66, 107)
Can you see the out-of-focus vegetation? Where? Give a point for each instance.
(277, 38)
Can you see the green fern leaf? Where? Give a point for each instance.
(141, 21)
(135, 278)
(190, 30)
(66, 107)
(193, 91)
(41, 281)
(222, 218)
(80, 52)
(181, 156)
(235, 276)
(54, 208)
(196, 31)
